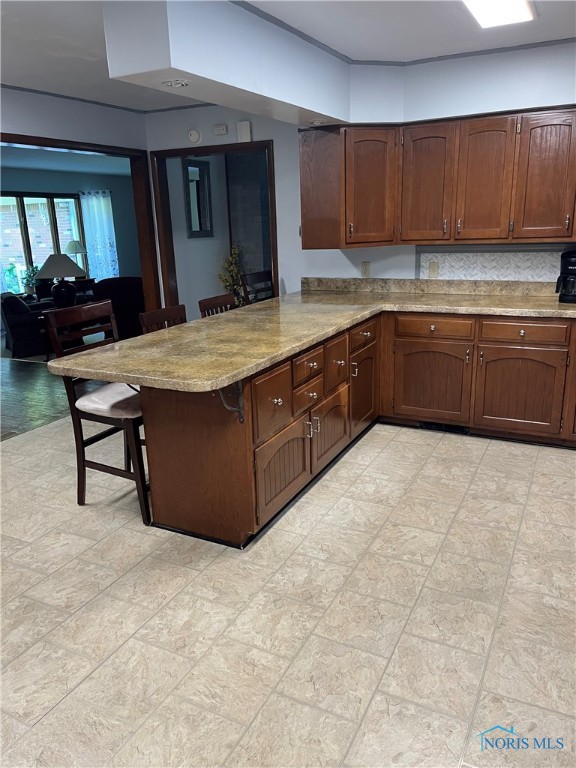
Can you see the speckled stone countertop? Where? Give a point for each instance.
(208, 354)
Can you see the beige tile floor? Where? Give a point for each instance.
(419, 593)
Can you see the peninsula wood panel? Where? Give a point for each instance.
(371, 180)
(200, 464)
(520, 388)
(484, 185)
(546, 176)
(428, 164)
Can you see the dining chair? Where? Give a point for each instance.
(257, 286)
(216, 304)
(158, 319)
(81, 328)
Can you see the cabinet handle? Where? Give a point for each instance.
(481, 358)
(366, 334)
(445, 226)
(432, 327)
(312, 365)
(277, 401)
(313, 395)
(317, 420)
(310, 433)
(567, 222)
(459, 225)
(350, 229)
(354, 367)
(522, 332)
(467, 356)
(340, 362)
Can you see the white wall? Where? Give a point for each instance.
(198, 260)
(35, 114)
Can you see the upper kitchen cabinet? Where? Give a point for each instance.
(371, 178)
(348, 180)
(484, 178)
(545, 185)
(428, 161)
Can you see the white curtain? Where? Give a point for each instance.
(99, 231)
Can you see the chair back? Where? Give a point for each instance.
(158, 319)
(127, 297)
(70, 328)
(257, 286)
(216, 304)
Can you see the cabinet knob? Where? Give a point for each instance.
(277, 401)
(312, 365)
(340, 362)
(313, 395)
(366, 334)
(522, 332)
(432, 327)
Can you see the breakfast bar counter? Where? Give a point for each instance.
(243, 409)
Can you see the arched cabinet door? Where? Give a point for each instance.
(331, 428)
(520, 388)
(433, 380)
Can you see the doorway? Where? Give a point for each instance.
(207, 201)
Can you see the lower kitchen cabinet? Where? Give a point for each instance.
(282, 467)
(520, 388)
(364, 390)
(330, 428)
(432, 380)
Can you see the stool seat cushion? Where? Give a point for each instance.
(116, 400)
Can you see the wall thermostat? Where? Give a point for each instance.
(195, 136)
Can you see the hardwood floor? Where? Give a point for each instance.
(30, 397)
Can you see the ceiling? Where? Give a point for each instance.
(59, 47)
(43, 159)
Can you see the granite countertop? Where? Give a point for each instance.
(204, 355)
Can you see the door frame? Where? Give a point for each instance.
(141, 189)
(162, 206)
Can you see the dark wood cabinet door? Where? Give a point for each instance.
(433, 380)
(331, 425)
(545, 186)
(520, 389)
(363, 388)
(371, 179)
(335, 362)
(428, 160)
(484, 185)
(282, 468)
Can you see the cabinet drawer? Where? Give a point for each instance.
(335, 362)
(308, 365)
(308, 394)
(435, 326)
(272, 401)
(530, 331)
(362, 335)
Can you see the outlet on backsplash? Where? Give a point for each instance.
(365, 269)
(433, 269)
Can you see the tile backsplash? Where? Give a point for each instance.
(538, 266)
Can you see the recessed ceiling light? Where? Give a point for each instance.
(497, 13)
(176, 83)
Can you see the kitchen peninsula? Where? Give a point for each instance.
(243, 409)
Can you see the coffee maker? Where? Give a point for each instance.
(566, 283)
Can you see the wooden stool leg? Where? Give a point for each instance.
(132, 432)
(80, 461)
(127, 463)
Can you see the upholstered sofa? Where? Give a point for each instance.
(26, 335)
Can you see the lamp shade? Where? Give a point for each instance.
(75, 246)
(59, 265)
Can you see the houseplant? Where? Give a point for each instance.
(29, 279)
(231, 274)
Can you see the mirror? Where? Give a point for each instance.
(197, 198)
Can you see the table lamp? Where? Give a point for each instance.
(58, 265)
(74, 248)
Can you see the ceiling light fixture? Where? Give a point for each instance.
(176, 83)
(497, 13)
